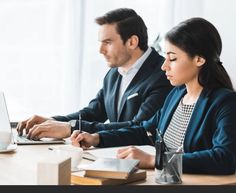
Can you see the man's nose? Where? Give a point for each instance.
(102, 49)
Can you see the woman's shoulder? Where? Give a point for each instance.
(218, 94)
(222, 95)
(222, 92)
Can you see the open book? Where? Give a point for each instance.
(94, 153)
(80, 179)
(111, 168)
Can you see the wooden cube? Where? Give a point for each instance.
(54, 171)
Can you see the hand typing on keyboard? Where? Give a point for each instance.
(38, 127)
(25, 138)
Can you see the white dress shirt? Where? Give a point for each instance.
(128, 76)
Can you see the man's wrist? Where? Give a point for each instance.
(68, 129)
(73, 125)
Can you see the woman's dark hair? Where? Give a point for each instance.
(128, 23)
(197, 36)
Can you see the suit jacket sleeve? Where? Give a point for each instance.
(150, 83)
(135, 135)
(220, 158)
(155, 99)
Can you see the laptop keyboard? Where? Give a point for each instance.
(13, 124)
(24, 138)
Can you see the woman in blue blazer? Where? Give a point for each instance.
(198, 114)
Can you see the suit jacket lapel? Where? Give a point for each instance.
(169, 111)
(114, 98)
(122, 103)
(141, 75)
(196, 118)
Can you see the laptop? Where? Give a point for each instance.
(20, 140)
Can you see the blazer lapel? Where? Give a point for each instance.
(169, 111)
(141, 75)
(122, 103)
(196, 118)
(114, 98)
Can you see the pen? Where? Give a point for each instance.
(80, 128)
(173, 167)
(177, 151)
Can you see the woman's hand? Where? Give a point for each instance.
(147, 161)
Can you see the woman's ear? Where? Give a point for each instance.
(200, 61)
(132, 42)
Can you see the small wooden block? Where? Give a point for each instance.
(54, 171)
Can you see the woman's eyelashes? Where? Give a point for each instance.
(173, 59)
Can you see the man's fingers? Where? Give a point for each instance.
(81, 140)
(74, 135)
(20, 126)
(41, 135)
(28, 124)
(76, 138)
(29, 132)
(79, 137)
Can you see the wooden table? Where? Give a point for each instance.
(20, 167)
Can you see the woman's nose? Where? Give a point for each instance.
(164, 65)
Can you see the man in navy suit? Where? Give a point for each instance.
(133, 89)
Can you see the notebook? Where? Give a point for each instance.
(80, 179)
(111, 168)
(20, 140)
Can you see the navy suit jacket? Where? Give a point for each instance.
(149, 88)
(210, 140)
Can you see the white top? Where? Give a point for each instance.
(128, 76)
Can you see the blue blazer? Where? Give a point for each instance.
(144, 96)
(210, 140)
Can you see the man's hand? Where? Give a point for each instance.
(29, 123)
(146, 160)
(84, 139)
(50, 128)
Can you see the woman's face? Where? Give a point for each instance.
(179, 67)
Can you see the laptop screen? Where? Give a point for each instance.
(6, 126)
(4, 118)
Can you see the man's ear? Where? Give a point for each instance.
(200, 61)
(132, 42)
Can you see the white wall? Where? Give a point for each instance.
(48, 67)
(223, 15)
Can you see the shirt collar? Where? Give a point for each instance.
(137, 65)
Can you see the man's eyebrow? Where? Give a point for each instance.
(106, 40)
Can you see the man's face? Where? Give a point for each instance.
(116, 53)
